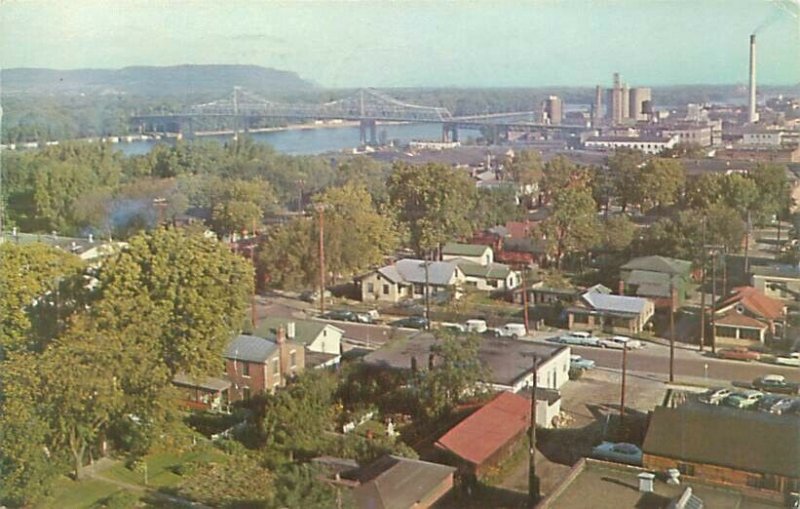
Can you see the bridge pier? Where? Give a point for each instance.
(368, 126)
(449, 132)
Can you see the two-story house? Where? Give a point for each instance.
(322, 340)
(256, 365)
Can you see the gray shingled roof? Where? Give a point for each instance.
(412, 270)
(615, 303)
(749, 441)
(392, 482)
(250, 348)
(491, 271)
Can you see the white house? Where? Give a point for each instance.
(322, 340)
(406, 279)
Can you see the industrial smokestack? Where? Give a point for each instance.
(752, 115)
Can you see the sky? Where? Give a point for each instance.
(384, 43)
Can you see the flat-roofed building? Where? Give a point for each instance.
(647, 144)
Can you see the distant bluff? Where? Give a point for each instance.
(179, 80)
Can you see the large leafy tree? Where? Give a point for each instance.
(618, 233)
(559, 173)
(287, 257)
(237, 204)
(525, 168)
(33, 297)
(238, 482)
(432, 202)
(773, 187)
(456, 373)
(572, 226)
(356, 234)
(623, 167)
(660, 182)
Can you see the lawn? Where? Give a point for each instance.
(160, 466)
(78, 495)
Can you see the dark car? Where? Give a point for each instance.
(411, 322)
(775, 383)
(342, 315)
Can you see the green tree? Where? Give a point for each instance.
(704, 190)
(496, 206)
(773, 187)
(525, 167)
(740, 193)
(618, 233)
(433, 202)
(572, 226)
(238, 482)
(559, 173)
(623, 166)
(300, 485)
(287, 257)
(456, 373)
(238, 205)
(660, 182)
(356, 234)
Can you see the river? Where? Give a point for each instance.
(315, 140)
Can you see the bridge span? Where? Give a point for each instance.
(367, 106)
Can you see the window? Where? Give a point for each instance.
(371, 287)
(754, 481)
(246, 369)
(292, 359)
(492, 283)
(245, 392)
(580, 318)
(276, 366)
(386, 289)
(418, 289)
(686, 468)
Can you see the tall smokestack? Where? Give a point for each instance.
(752, 115)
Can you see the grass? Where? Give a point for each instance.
(159, 468)
(78, 495)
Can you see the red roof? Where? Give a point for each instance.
(483, 433)
(737, 320)
(755, 302)
(519, 229)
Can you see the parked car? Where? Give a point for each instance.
(343, 315)
(621, 452)
(578, 362)
(715, 396)
(792, 359)
(453, 327)
(743, 399)
(411, 322)
(775, 404)
(620, 343)
(512, 330)
(370, 316)
(579, 338)
(775, 383)
(476, 325)
(313, 296)
(738, 354)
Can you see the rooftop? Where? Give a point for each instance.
(777, 270)
(494, 425)
(250, 348)
(615, 303)
(754, 301)
(506, 359)
(392, 482)
(491, 271)
(630, 139)
(209, 383)
(750, 441)
(454, 249)
(412, 270)
(616, 486)
(659, 264)
(306, 331)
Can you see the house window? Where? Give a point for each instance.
(276, 366)
(293, 359)
(371, 287)
(686, 468)
(580, 318)
(418, 289)
(245, 392)
(754, 481)
(246, 369)
(386, 289)
(492, 283)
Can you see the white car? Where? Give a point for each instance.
(579, 338)
(793, 359)
(511, 330)
(475, 325)
(454, 327)
(620, 343)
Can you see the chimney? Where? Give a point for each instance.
(290, 330)
(280, 335)
(752, 115)
(91, 238)
(646, 482)
(673, 476)
(431, 361)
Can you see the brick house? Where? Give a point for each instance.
(256, 365)
(747, 449)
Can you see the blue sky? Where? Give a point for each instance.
(416, 43)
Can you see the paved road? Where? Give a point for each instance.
(655, 359)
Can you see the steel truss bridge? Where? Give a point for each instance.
(367, 106)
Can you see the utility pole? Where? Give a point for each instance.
(713, 302)
(724, 261)
(321, 211)
(747, 245)
(253, 317)
(533, 479)
(160, 204)
(622, 391)
(703, 290)
(671, 329)
(525, 301)
(427, 292)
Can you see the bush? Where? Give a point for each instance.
(118, 500)
(576, 373)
